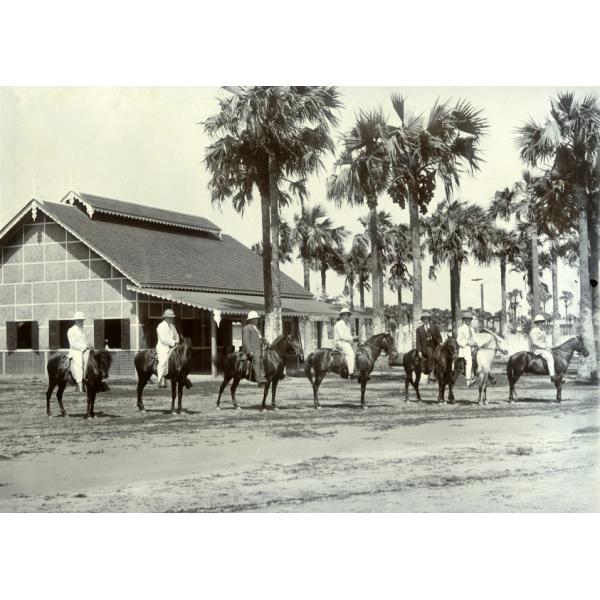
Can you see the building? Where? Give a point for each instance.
(123, 264)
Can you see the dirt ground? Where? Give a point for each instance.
(531, 456)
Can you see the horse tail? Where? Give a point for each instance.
(308, 368)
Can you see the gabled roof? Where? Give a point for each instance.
(129, 210)
(154, 256)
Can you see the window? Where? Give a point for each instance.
(57, 334)
(22, 335)
(111, 334)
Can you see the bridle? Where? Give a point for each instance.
(386, 351)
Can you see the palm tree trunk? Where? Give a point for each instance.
(535, 270)
(375, 268)
(417, 276)
(351, 294)
(273, 323)
(323, 281)
(555, 298)
(361, 290)
(503, 295)
(594, 262)
(306, 267)
(588, 367)
(265, 206)
(455, 295)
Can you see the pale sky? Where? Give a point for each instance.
(145, 145)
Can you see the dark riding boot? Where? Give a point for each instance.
(555, 378)
(187, 383)
(492, 379)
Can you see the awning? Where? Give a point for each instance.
(238, 304)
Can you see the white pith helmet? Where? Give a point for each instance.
(252, 315)
(539, 318)
(78, 316)
(169, 313)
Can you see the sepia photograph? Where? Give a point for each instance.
(299, 299)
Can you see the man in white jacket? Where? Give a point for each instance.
(539, 345)
(343, 339)
(79, 349)
(168, 338)
(466, 343)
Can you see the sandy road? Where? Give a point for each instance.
(529, 456)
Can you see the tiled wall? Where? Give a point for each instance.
(47, 274)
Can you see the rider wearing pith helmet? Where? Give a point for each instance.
(79, 348)
(78, 316)
(343, 339)
(167, 338)
(538, 344)
(168, 314)
(345, 311)
(539, 319)
(252, 315)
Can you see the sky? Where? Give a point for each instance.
(147, 145)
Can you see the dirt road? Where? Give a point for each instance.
(529, 456)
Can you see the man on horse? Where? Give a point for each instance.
(168, 338)
(343, 339)
(253, 344)
(539, 346)
(466, 344)
(428, 339)
(79, 349)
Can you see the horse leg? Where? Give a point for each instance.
(450, 394)
(180, 383)
(316, 385)
(142, 381)
(407, 382)
(363, 386)
(49, 391)
(234, 385)
(226, 380)
(173, 394)
(92, 401)
(558, 385)
(59, 396)
(481, 384)
(265, 392)
(415, 384)
(441, 392)
(512, 379)
(273, 392)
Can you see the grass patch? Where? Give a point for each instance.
(520, 451)
(591, 429)
(80, 495)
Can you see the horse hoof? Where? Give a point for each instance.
(318, 407)
(275, 407)
(364, 407)
(49, 415)
(218, 407)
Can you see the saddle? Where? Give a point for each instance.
(339, 364)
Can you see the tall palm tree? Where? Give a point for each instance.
(513, 302)
(567, 298)
(357, 268)
(313, 232)
(399, 253)
(331, 256)
(286, 243)
(442, 146)
(455, 232)
(569, 143)
(362, 174)
(266, 135)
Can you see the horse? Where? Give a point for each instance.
(179, 362)
(412, 362)
(320, 362)
(484, 356)
(237, 366)
(449, 366)
(59, 374)
(528, 362)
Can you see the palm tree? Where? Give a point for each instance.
(268, 134)
(505, 248)
(357, 263)
(313, 232)
(569, 144)
(286, 243)
(362, 174)
(331, 256)
(513, 302)
(456, 231)
(399, 252)
(422, 150)
(567, 298)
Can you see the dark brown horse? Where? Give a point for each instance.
(59, 374)
(528, 362)
(320, 362)
(448, 367)
(412, 362)
(179, 363)
(237, 366)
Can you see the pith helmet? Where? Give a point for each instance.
(345, 311)
(252, 315)
(426, 315)
(467, 315)
(539, 318)
(78, 316)
(169, 313)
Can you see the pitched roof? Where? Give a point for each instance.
(129, 210)
(156, 256)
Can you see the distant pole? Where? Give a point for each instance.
(482, 319)
(213, 348)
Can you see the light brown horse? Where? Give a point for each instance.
(324, 360)
(237, 367)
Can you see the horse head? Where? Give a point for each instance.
(388, 345)
(580, 346)
(500, 342)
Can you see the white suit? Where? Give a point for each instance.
(342, 337)
(465, 340)
(168, 338)
(78, 351)
(539, 346)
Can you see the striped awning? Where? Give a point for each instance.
(238, 304)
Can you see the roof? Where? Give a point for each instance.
(236, 304)
(130, 210)
(165, 257)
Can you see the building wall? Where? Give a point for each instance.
(47, 274)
